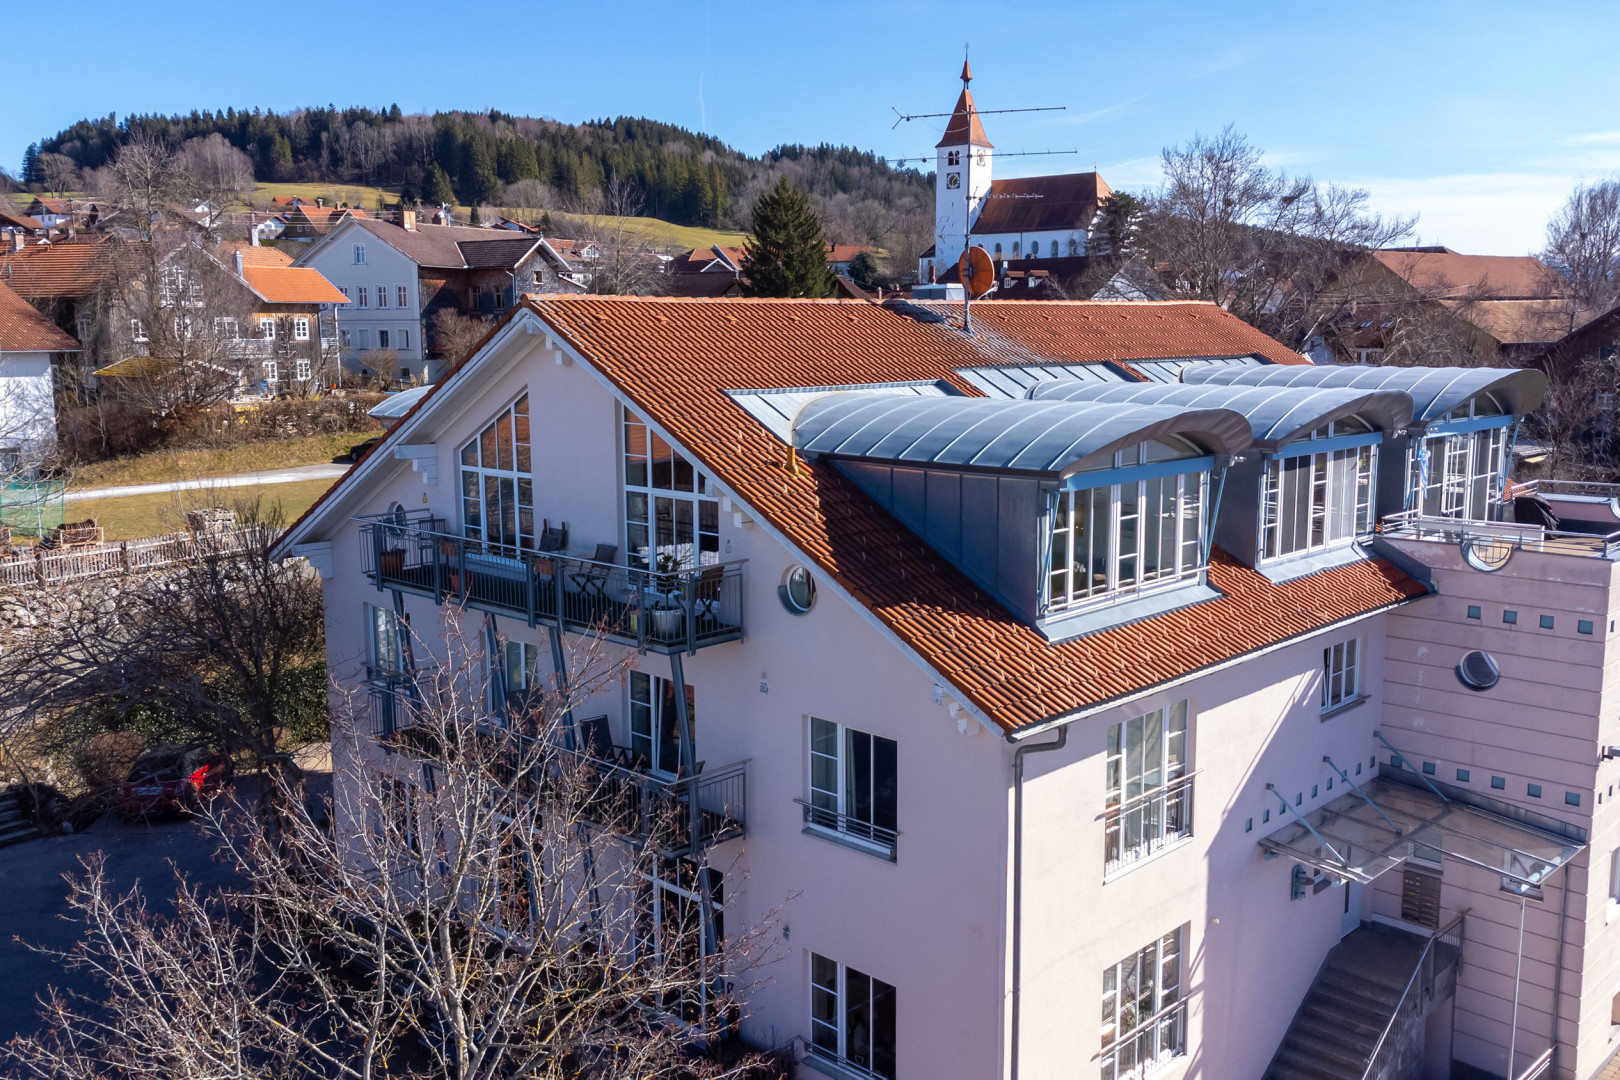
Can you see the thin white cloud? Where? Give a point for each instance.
(1591, 137)
(1478, 213)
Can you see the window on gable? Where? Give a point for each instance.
(1144, 1011)
(1148, 790)
(359, 254)
(382, 296)
(401, 297)
(1315, 501)
(301, 329)
(360, 298)
(1129, 537)
(852, 1018)
(670, 506)
(854, 784)
(497, 490)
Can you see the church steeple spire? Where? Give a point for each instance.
(964, 128)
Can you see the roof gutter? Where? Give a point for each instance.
(1061, 722)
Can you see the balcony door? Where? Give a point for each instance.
(655, 733)
(497, 489)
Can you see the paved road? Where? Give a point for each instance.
(274, 476)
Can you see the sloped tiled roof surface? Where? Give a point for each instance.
(1445, 272)
(448, 246)
(23, 329)
(495, 252)
(650, 349)
(1042, 203)
(292, 285)
(964, 127)
(69, 269)
(1519, 322)
(255, 254)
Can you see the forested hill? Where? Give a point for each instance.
(474, 158)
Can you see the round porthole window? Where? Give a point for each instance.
(1478, 671)
(1486, 554)
(798, 590)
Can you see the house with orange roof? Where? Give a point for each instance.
(1105, 661)
(29, 342)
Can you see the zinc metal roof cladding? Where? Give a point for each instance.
(23, 329)
(1434, 391)
(1053, 437)
(1276, 414)
(1012, 380)
(1169, 371)
(650, 349)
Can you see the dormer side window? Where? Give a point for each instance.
(1136, 527)
(1318, 491)
(1457, 468)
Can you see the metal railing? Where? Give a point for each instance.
(1147, 823)
(1152, 1043)
(1539, 1068)
(673, 611)
(820, 819)
(1422, 990)
(1414, 525)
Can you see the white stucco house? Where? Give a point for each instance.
(28, 341)
(1101, 712)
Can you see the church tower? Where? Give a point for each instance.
(962, 177)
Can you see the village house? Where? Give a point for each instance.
(1081, 708)
(397, 277)
(28, 343)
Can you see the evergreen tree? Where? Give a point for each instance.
(863, 270)
(30, 165)
(545, 223)
(437, 185)
(786, 255)
(475, 219)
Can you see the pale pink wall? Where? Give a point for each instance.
(1255, 723)
(1541, 724)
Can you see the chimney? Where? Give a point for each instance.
(407, 219)
(17, 240)
(236, 262)
(320, 204)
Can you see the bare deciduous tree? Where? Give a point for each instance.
(475, 911)
(1583, 241)
(626, 264)
(60, 173)
(219, 171)
(454, 334)
(382, 363)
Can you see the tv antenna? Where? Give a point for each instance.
(967, 264)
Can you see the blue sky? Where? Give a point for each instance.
(1477, 116)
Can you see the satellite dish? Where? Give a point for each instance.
(977, 271)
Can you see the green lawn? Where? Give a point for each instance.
(162, 466)
(153, 515)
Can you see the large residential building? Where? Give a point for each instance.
(1081, 708)
(397, 277)
(1031, 217)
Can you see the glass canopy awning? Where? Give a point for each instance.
(1362, 834)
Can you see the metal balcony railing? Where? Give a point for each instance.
(1502, 535)
(840, 826)
(675, 611)
(1148, 823)
(1150, 1043)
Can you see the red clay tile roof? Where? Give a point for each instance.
(71, 268)
(843, 253)
(1520, 322)
(22, 329)
(964, 127)
(1042, 204)
(647, 346)
(1444, 272)
(254, 254)
(292, 285)
(20, 221)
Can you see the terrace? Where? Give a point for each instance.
(664, 611)
(1559, 517)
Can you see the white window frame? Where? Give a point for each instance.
(300, 328)
(301, 369)
(831, 1039)
(1147, 785)
(402, 297)
(1157, 1017)
(1463, 473)
(509, 477)
(359, 254)
(343, 338)
(653, 718)
(834, 809)
(382, 296)
(690, 516)
(1341, 675)
(270, 372)
(404, 339)
(382, 338)
(384, 651)
(1182, 501)
(225, 327)
(267, 327)
(1339, 489)
(137, 332)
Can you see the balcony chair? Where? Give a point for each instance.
(551, 540)
(706, 593)
(598, 740)
(593, 578)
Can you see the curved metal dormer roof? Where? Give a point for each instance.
(1434, 391)
(1010, 435)
(1276, 414)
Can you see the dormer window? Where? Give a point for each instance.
(1319, 490)
(1132, 528)
(1458, 466)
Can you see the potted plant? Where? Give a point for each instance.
(392, 562)
(666, 613)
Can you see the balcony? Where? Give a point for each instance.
(678, 611)
(1558, 517)
(680, 816)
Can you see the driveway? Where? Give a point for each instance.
(253, 479)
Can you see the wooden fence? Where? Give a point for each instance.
(47, 566)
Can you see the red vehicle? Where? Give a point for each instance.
(171, 780)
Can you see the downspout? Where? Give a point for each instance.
(1018, 879)
(1558, 966)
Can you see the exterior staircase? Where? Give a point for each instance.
(16, 824)
(1356, 995)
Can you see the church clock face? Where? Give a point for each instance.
(980, 158)
(953, 180)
